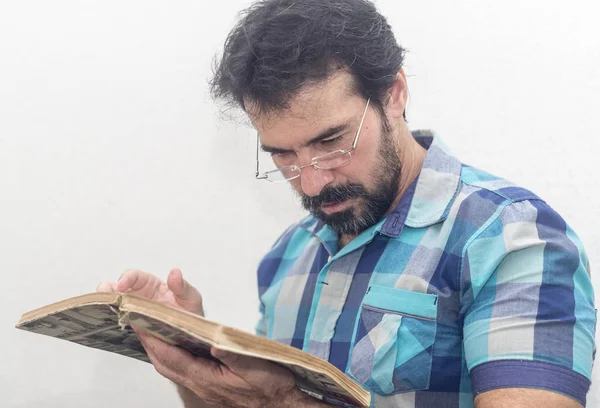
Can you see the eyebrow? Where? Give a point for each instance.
(323, 135)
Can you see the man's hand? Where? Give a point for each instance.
(176, 292)
(238, 382)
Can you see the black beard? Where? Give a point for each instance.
(377, 203)
(348, 221)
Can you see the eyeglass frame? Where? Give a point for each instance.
(314, 161)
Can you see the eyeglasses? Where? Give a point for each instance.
(329, 161)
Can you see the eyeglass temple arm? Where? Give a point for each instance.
(360, 125)
(257, 174)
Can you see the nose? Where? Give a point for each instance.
(312, 181)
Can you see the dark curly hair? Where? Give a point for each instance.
(279, 46)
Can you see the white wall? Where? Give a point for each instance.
(112, 155)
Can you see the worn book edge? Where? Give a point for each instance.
(130, 310)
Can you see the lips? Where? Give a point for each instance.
(331, 208)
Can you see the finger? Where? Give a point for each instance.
(106, 287)
(162, 369)
(132, 279)
(184, 292)
(177, 364)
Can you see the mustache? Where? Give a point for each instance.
(334, 194)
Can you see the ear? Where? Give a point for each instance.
(397, 97)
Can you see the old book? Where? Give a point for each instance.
(103, 321)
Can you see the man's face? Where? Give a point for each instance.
(322, 119)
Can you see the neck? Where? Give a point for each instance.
(411, 155)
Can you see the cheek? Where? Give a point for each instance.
(296, 185)
(360, 167)
(366, 154)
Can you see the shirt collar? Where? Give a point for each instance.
(429, 198)
(437, 183)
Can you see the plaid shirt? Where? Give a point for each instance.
(470, 284)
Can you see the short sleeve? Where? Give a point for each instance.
(530, 319)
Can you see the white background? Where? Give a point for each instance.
(113, 156)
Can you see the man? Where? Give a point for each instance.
(429, 282)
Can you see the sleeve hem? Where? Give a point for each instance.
(529, 374)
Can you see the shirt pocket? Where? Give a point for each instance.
(393, 340)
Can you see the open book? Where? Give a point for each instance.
(103, 321)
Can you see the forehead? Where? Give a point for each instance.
(313, 109)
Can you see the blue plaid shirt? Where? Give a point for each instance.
(469, 285)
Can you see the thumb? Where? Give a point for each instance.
(185, 294)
